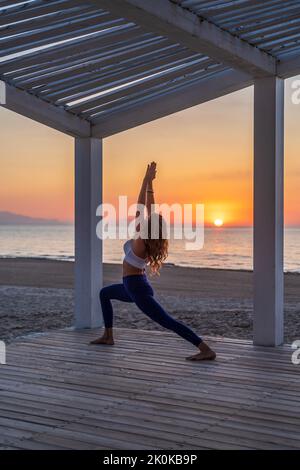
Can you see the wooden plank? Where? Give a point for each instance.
(59, 355)
(53, 396)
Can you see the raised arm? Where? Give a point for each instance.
(143, 190)
(146, 192)
(150, 192)
(146, 195)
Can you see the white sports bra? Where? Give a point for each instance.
(131, 258)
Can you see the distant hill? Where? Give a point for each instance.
(9, 218)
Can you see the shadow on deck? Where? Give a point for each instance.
(58, 392)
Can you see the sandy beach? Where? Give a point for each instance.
(37, 295)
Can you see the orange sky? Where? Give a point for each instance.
(204, 155)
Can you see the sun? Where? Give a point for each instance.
(218, 222)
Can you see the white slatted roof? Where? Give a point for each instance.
(272, 26)
(112, 64)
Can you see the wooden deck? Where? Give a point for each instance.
(58, 392)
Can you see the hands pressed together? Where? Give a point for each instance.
(150, 172)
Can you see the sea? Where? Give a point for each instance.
(224, 248)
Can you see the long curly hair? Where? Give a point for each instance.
(156, 242)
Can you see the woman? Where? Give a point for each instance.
(149, 250)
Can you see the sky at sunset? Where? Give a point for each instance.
(204, 155)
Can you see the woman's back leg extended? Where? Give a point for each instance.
(148, 305)
(155, 311)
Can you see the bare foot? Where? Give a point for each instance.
(103, 340)
(203, 356)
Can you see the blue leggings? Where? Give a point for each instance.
(136, 289)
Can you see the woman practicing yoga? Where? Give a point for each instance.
(148, 248)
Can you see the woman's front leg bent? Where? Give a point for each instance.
(107, 294)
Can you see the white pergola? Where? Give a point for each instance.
(94, 68)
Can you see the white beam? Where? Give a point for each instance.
(88, 247)
(289, 68)
(34, 108)
(268, 211)
(171, 102)
(181, 25)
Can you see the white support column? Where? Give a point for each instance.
(88, 247)
(268, 211)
